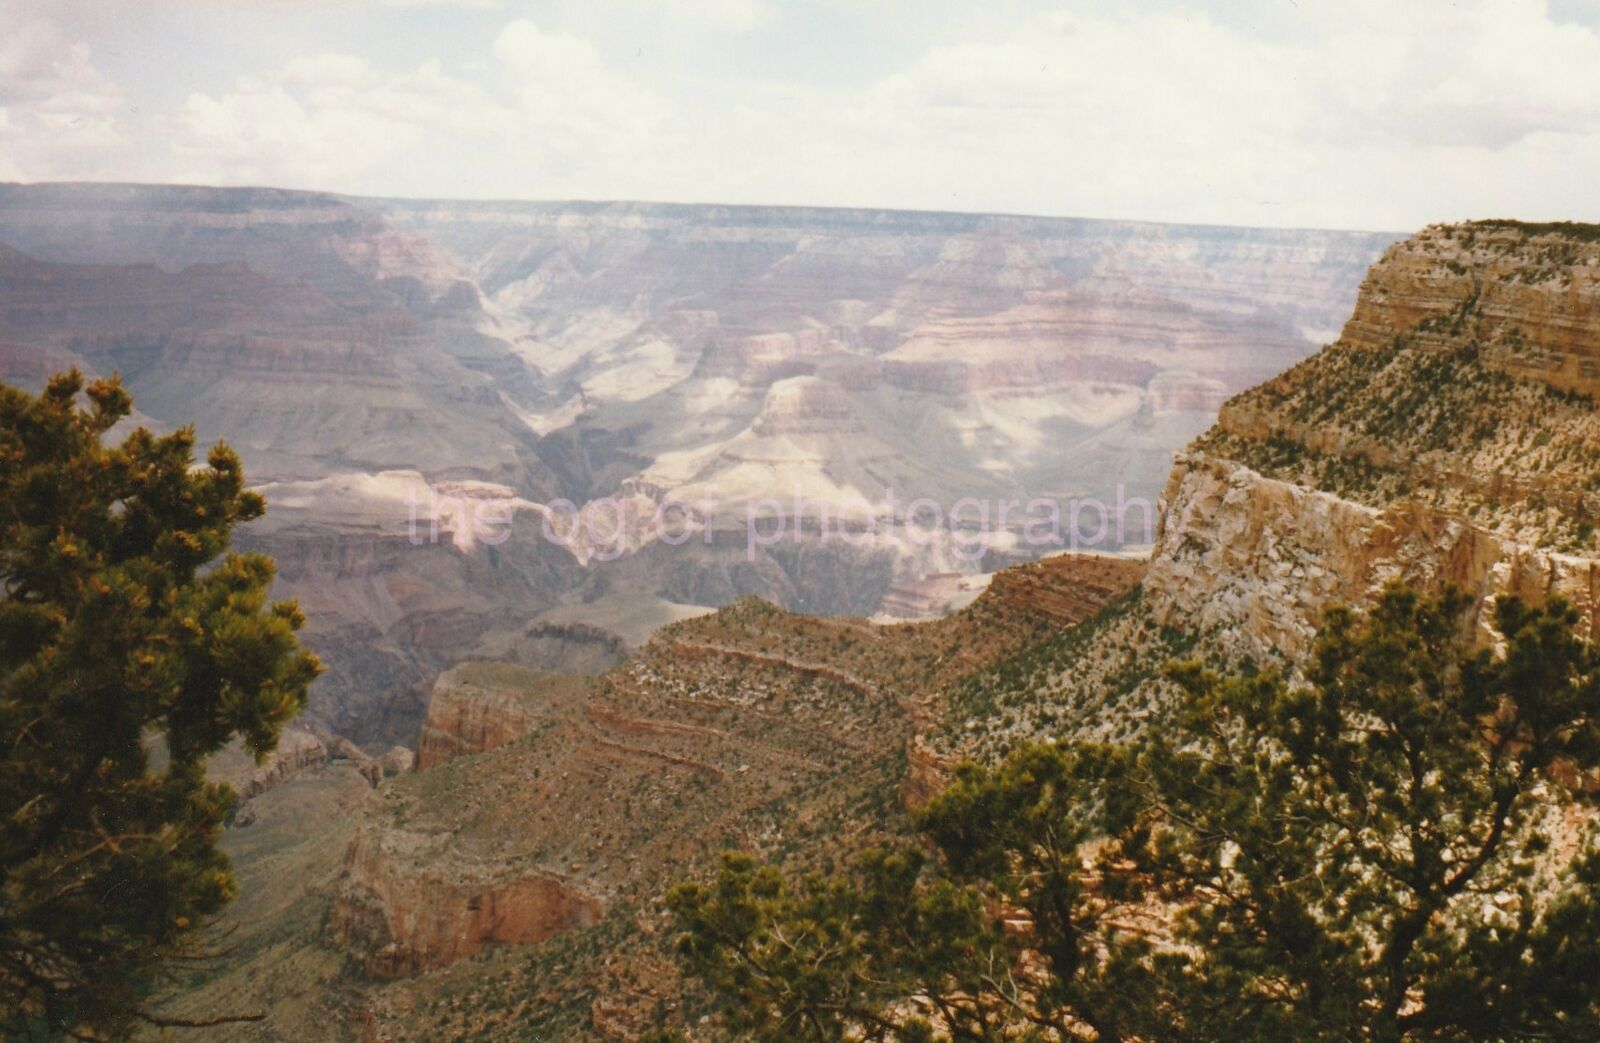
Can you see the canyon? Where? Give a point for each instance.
(514, 884)
(422, 389)
(524, 742)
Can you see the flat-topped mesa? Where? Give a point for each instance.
(756, 360)
(806, 406)
(1450, 437)
(1066, 589)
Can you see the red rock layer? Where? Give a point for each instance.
(400, 916)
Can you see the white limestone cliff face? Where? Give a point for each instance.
(1256, 560)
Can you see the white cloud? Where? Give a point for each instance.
(564, 98)
(328, 71)
(322, 121)
(59, 114)
(1389, 117)
(331, 120)
(1360, 113)
(1486, 74)
(732, 15)
(475, 5)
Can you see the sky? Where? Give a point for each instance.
(1313, 113)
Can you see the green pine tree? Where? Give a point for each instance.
(1396, 849)
(1380, 854)
(128, 654)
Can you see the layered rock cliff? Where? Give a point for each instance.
(1262, 559)
(1448, 438)
(407, 904)
(1444, 440)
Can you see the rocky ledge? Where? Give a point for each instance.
(405, 905)
(1257, 560)
(480, 706)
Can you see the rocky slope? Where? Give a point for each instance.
(512, 888)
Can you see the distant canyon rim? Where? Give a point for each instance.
(364, 355)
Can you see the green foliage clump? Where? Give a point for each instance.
(1575, 230)
(1370, 855)
(1361, 858)
(128, 655)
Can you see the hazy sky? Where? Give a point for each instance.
(1343, 113)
